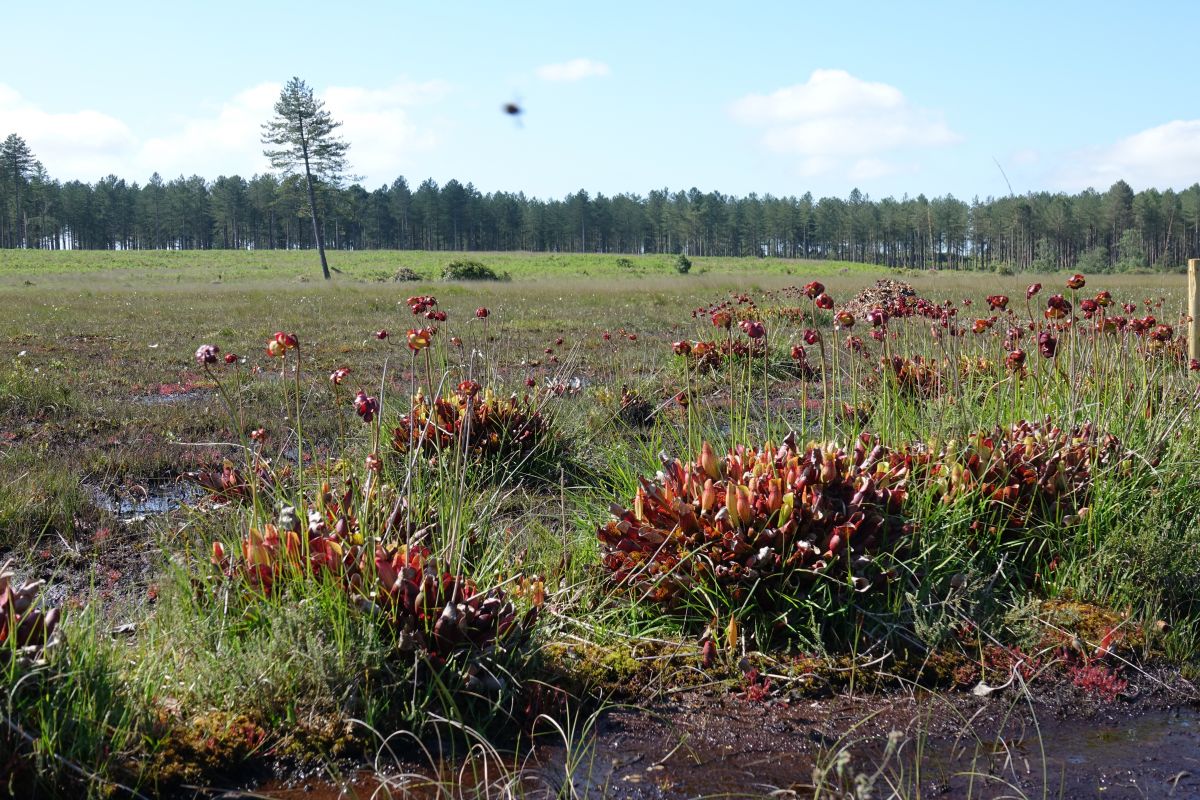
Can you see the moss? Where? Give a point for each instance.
(1042, 625)
(628, 669)
(198, 748)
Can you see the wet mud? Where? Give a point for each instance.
(700, 746)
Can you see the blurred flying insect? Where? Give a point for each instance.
(514, 110)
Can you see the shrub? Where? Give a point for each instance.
(404, 275)
(683, 264)
(626, 263)
(469, 270)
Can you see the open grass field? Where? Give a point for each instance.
(218, 266)
(587, 495)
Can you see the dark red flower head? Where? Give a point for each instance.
(722, 319)
(366, 407)
(682, 347)
(231, 358)
(1033, 289)
(482, 313)
(1162, 333)
(1047, 344)
(814, 289)
(381, 334)
(753, 328)
(824, 301)
(811, 336)
(997, 302)
(1057, 307)
(1076, 281)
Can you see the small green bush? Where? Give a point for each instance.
(683, 264)
(469, 270)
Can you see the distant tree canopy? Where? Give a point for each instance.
(1112, 230)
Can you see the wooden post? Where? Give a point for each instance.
(1193, 305)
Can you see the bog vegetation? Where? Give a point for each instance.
(458, 509)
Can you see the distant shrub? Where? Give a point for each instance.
(626, 263)
(683, 264)
(468, 270)
(1094, 261)
(404, 274)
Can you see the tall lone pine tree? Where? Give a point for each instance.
(302, 133)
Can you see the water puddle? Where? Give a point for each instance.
(136, 502)
(723, 752)
(172, 394)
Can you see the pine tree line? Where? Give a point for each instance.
(1093, 231)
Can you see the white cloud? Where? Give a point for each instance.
(837, 123)
(382, 132)
(1165, 156)
(86, 141)
(223, 143)
(226, 140)
(573, 70)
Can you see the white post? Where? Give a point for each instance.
(1193, 305)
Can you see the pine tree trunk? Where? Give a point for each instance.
(312, 209)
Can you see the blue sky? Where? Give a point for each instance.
(780, 97)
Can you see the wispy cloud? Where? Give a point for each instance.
(1166, 155)
(573, 70)
(837, 123)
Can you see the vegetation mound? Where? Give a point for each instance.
(469, 270)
